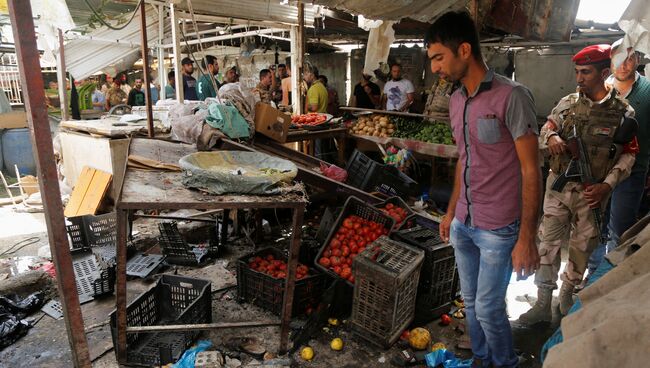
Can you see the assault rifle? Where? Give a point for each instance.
(579, 170)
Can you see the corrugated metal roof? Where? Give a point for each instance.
(421, 10)
(260, 10)
(96, 51)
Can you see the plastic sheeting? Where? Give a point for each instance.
(236, 172)
(379, 42)
(635, 22)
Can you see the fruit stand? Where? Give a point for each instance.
(428, 135)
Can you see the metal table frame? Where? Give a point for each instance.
(163, 190)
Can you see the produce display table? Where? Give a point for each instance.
(158, 190)
(423, 148)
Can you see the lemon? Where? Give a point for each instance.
(333, 321)
(438, 346)
(337, 344)
(307, 353)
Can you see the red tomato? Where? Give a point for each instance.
(337, 269)
(445, 319)
(351, 279)
(335, 261)
(280, 275)
(327, 253)
(345, 251)
(346, 272)
(389, 206)
(336, 252)
(325, 262)
(335, 244)
(270, 257)
(348, 223)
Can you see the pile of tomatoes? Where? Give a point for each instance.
(276, 268)
(308, 119)
(352, 237)
(398, 213)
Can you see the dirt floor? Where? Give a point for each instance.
(46, 344)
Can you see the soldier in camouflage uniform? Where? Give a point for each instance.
(264, 86)
(597, 114)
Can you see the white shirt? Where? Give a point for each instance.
(396, 93)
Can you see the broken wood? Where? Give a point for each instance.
(89, 192)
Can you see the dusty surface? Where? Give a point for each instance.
(46, 344)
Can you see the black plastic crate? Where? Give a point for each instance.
(178, 251)
(371, 176)
(438, 284)
(90, 231)
(268, 292)
(173, 300)
(353, 206)
(94, 278)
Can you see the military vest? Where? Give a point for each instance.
(595, 125)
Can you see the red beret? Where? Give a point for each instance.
(592, 54)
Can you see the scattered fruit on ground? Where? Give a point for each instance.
(307, 353)
(337, 344)
(333, 321)
(419, 338)
(438, 346)
(405, 335)
(445, 320)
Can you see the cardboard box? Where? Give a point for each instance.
(13, 120)
(272, 122)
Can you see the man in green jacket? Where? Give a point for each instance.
(208, 81)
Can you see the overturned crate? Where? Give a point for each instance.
(386, 280)
(178, 251)
(173, 300)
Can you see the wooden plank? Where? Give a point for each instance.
(95, 194)
(88, 193)
(79, 192)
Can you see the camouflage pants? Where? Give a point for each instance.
(566, 214)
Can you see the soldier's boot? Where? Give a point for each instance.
(566, 297)
(541, 311)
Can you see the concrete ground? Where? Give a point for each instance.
(46, 344)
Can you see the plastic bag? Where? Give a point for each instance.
(189, 356)
(227, 119)
(447, 359)
(220, 172)
(13, 326)
(334, 172)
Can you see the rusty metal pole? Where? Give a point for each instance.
(301, 54)
(145, 68)
(22, 23)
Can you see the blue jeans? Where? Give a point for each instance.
(623, 209)
(485, 265)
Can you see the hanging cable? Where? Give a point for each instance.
(102, 21)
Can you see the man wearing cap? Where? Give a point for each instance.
(189, 83)
(626, 197)
(600, 118)
(136, 95)
(208, 84)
